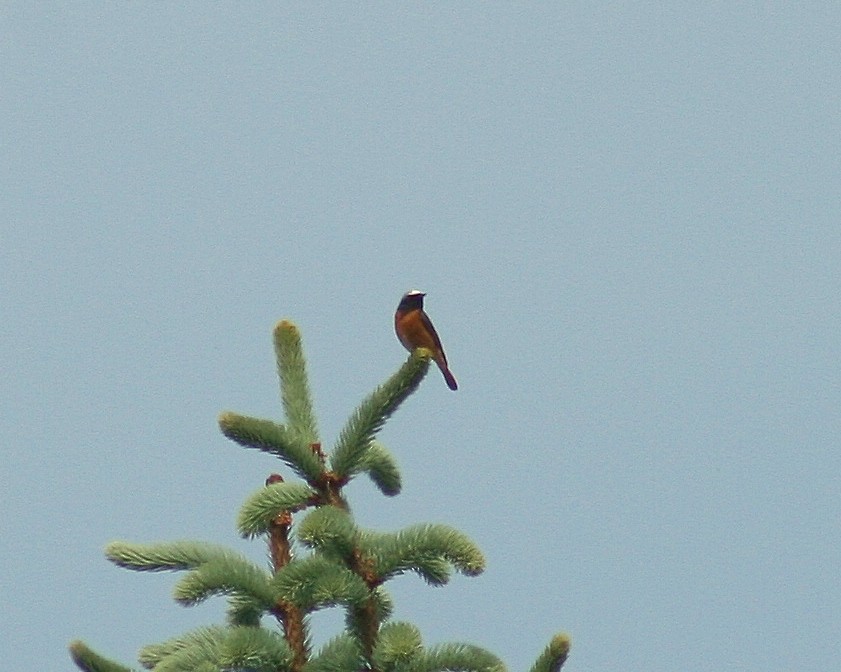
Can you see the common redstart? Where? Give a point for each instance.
(415, 330)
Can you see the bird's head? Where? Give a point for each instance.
(411, 300)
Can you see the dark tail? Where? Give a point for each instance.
(449, 377)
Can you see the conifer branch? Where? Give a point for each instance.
(457, 658)
(554, 655)
(264, 506)
(425, 549)
(229, 575)
(348, 457)
(253, 649)
(330, 530)
(202, 638)
(339, 654)
(276, 439)
(218, 648)
(245, 610)
(88, 660)
(365, 620)
(169, 556)
(381, 468)
(398, 645)
(315, 583)
(294, 385)
(196, 658)
(377, 609)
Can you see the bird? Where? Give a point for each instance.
(414, 330)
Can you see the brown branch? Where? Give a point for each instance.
(368, 615)
(295, 630)
(289, 616)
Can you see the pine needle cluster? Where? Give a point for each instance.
(320, 558)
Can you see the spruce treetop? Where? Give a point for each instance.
(320, 557)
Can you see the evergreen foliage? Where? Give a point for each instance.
(328, 562)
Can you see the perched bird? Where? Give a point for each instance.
(415, 330)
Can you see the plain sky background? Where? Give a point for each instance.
(628, 220)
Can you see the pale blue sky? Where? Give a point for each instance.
(628, 220)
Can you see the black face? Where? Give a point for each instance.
(411, 302)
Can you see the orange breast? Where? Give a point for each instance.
(416, 332)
